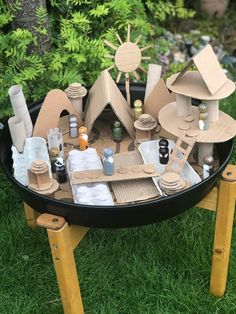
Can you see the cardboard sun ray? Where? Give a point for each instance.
(54, 104)
(104, 92)
(208, 83)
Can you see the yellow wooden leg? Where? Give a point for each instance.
(30, 215)
(223, 231)
(63, 239)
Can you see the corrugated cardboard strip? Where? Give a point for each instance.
(133, 190)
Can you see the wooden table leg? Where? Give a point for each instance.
(30, 215)
(63, 239)
(223, 231)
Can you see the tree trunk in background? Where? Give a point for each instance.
(26, 17)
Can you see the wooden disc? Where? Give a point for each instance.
(122, 170)
(170, 177)
(136, 169)
(189, 118)
(149, 168)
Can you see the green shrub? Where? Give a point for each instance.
(78, 29)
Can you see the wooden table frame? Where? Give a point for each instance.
(64, 238)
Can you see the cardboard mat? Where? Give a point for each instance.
(132, 190)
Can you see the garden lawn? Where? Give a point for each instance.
(162, 268)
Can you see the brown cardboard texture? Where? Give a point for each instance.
(219, 131)
(132, 190)
(209, 82)
(104, 92)
(48, 118)
(120, 174)
(158, 98)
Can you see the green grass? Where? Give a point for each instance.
(163, 268)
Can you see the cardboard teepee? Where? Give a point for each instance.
(104, 92)
(208, 83)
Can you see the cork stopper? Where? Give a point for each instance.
(145, 122)
(76, 90)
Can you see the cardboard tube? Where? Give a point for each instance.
(213, 109)
(204, 149)
(18, 133)
(153, 76)
(78, 105)
(184, 105)
(20, 108)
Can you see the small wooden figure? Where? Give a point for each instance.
(108, 162)
(60, 170)
(137, 109)
(163, 151)
(203, 117)
(83, 138)
(117, 131)
(208, 166)
(73, 126)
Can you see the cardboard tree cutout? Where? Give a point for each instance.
(104, 92)
(158, 98)
(48, 118)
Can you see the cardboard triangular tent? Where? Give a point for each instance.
(104, 92)
(209, 82)
(54, 104)
(209, 68)
(158, 98)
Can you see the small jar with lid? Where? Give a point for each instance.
(53, 154)
(60, 170)
(73, 126)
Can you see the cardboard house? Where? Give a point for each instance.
(209, 84)
(105, 92)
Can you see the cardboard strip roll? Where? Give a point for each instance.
(18, 133)
(20, 108)
(153, 76)
(213, 110)
(184, 106)
(204, 149)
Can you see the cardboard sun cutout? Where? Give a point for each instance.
(127, 59)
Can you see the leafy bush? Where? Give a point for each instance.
(78, 29)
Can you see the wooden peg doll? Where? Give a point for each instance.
(117, 131)
(137, 109)
(83, 138)
(163, 151)
(203, 116)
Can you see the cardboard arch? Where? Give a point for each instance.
(54, 104)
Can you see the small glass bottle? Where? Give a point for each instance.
(60, 170)
(117, 131)
(108, 162)
(73, 126)
(53, 154)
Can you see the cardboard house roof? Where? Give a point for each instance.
(208, 83)
(104, 92)
(48, 118)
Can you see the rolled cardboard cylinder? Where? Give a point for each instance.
(78, 105)
(213, 109)
(20, 108)
(153, 76)
(18, 133)
(204, 149)
(183, 104)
